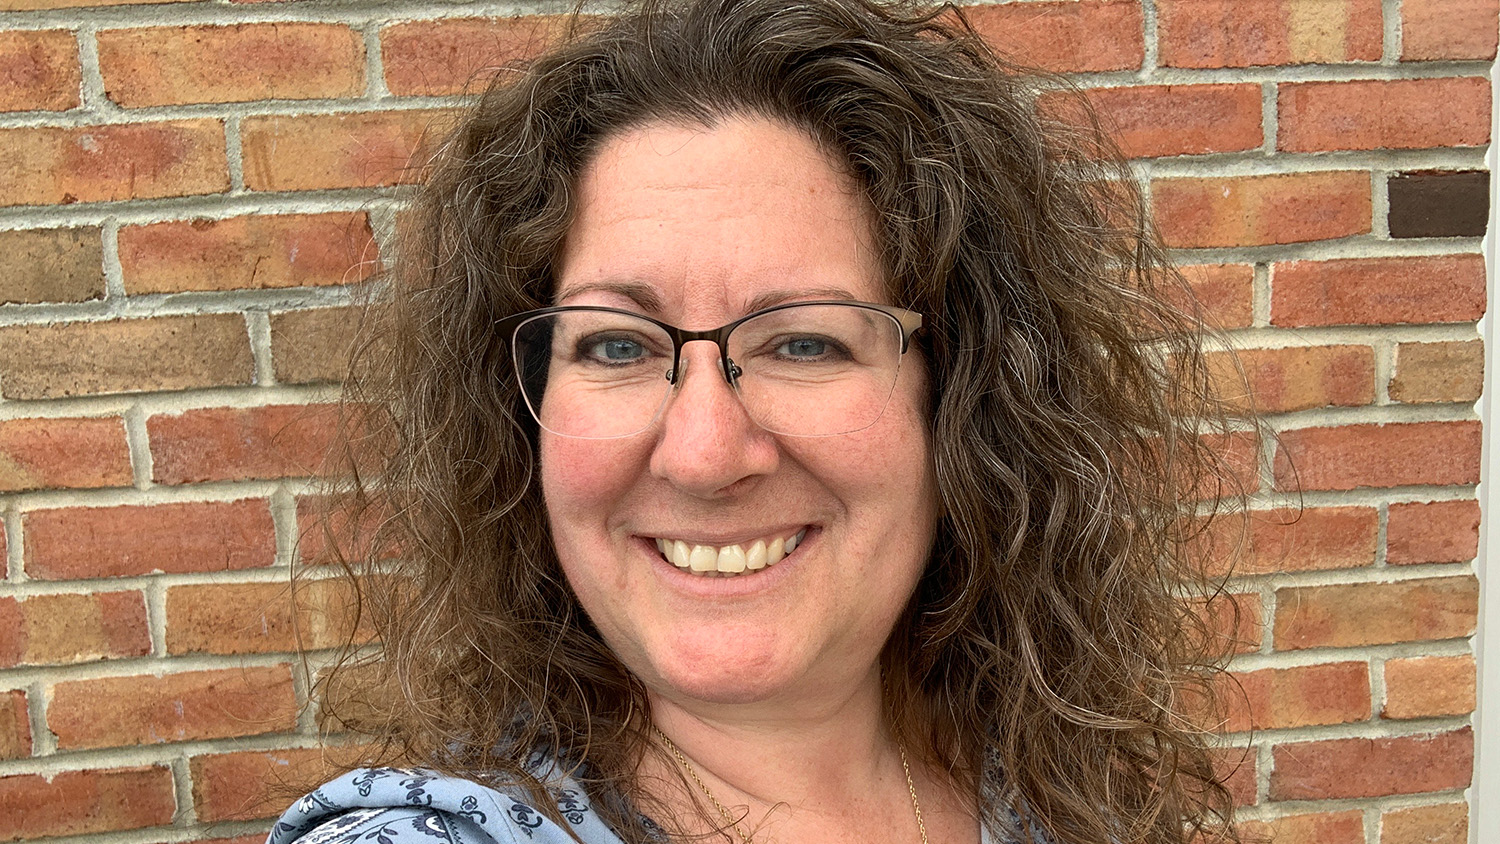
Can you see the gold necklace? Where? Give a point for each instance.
(729, 819)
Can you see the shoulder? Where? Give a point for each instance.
(399, 806)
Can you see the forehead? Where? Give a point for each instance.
(708, 221)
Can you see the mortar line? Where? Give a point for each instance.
(138, 443)
(115, 293)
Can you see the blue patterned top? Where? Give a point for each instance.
(396, 806)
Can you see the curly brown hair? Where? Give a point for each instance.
(1046, 656)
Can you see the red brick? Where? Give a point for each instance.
(1236, 767)
(127, 355)
(15, 726)
(1354, 456)
(252, 252)
(187, 706)
(1313, 539)
(1432, 532)
(39, 70)
(63, 453)
(318, 151)
(1260, 210)
(87, 542)
(152, 66)
(1378, 291)
(51, 265)
(1160, 120)
(436, 58)
(228, 443)
(1429, 686)
(1082, 35)
(328, 534)
(1235, 618)
(1448, 29)
(251, 784)
(239, 618)
(1233, 33)
(69, 628)
(1445, 823)
(1332, 828)
(82, 802)
(1297, 377)
(1384, 114)
(52, 165)
(1320, 770)
(1312, 695)
(1224, 292)
(1449, 372)
(1357, 614)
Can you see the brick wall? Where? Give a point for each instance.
(189, 190)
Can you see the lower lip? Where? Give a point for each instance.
(741, 584)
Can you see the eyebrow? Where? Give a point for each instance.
(777, 297)
(644, 295)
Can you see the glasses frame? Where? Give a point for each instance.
(908, 321)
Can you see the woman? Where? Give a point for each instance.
(787, 441)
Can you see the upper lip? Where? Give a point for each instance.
(724, 539)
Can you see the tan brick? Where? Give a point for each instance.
(63, 453)
(251, 784)
(308, 346)
(1432, 532)
(1374, 291)
(314, 152)
(224, 443)
(1307, 696)
(121, 356)
(152, 66)
(1262, 210)
(1448, 29)
(186, 706)
(453, 55)
(1438, 372)
(238, 618)
(90, 801)
(62, 629)
(1384, 114)
(1429, 686)
(251, 252)
(39, 70)
(15, 725)
(1357, 614)
(1233, 33)
(1398, 454)
(89, 542)
(1445, 823)
(51, 265)
(51, 165)
(1319, 770)
(1084, 35)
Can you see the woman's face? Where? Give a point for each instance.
(692, 226)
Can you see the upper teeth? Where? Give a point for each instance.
(728, 559)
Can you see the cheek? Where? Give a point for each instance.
(582, 479)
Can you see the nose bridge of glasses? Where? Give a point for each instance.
(718, 336)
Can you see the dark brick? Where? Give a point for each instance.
(1439, 204)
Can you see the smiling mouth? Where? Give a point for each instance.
(728, 560)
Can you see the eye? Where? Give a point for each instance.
(803, 347)
(613, 349)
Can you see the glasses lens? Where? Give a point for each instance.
(593, 373)
(818, 369)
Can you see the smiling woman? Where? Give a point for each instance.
(780, 435)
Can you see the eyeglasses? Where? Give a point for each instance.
(807, 369)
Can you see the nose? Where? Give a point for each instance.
(707, 445)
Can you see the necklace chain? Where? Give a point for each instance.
(729, 818)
